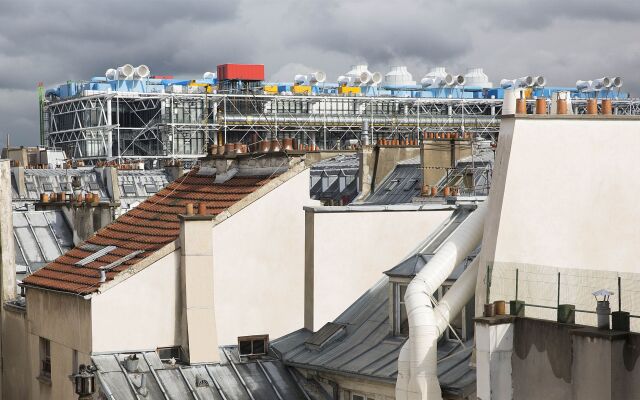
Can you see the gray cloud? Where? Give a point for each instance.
(57, 41)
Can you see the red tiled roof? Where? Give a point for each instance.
(148, 227)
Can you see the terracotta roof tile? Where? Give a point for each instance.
(148, 227)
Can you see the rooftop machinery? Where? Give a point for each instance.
(130, 113)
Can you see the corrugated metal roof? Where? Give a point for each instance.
(400, 186)
(231, 379)
(147, 228)
(40, 237)
(39, 181)
(370, 350)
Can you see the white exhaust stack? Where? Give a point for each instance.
(141, 72)
(525, 81)
(125, 72)
(602, 83)
(458, 80)
(420, 354)
(507, 83)
(616, 82)
(317, 77)
(376, 78)
(584, 85)
(111, 74)
(539, 81)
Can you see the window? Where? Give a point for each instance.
(253, 345)
(45, 358)
(47, 187)
(151, 188)
(64, 186)
(30, 186)
(358, 396)
(129, 189)
(400, 318)
(393, 184)
(167, 353)
(94, 186)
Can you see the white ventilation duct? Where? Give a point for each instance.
(141, 72)
(299, 79)
(398, 76)
(507, 84)
(584, 85)
(364, 78)
(458, 80)
(525, 81)
(616, 82)
(601, 83)
(376, 78)
(344, 80)
(111, 74)
(477, 78)
(420, 354)
(317, 77)
(209, 75)
(125, 72)
(539, 81)
(437, 76)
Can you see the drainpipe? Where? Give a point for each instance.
(419, 353)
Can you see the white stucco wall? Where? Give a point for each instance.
(258, 267)
(564, 199)
(353, 249)
(142, 312)
(259, 264)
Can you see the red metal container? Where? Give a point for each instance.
(242, 72)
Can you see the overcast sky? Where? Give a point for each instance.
(54, 41)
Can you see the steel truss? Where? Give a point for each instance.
(122, 125)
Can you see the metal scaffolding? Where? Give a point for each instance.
(118, 125)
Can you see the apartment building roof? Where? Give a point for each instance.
(142, 231)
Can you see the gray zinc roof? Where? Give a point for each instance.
(137, 185)
(368, 349)
(335, 178)
(230, 379)
(40, 237)
(400, 186)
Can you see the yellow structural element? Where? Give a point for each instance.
(207, 86)
(271, 89)
(301, 89)
(349, 90)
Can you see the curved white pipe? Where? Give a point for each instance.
(616, 81)
(539, 81)
(209, 75)
(584, 85)
(602, 83)
(299, 79)
(460, 293)
(317, 77)
(141, 71)
(111, 74)
(376, 78)
(423, 324)
(459, 80)
(507, 83)
(525, 81)
(125, 71)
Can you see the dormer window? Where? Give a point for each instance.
(400, 318)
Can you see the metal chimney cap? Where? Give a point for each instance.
(604, 293)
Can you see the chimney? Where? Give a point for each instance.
(7, 251)
(199, 335)
(436, 155)
(174, 170)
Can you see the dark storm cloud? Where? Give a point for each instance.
(54, 41)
